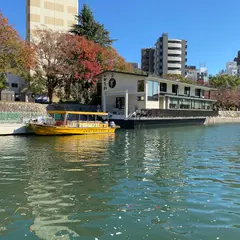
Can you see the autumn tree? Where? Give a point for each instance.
(91, 29)
(227, 91)
(67, 63)
(16, 56)
(227, 98)
(81, 65)
(49, 71)
(83, 59)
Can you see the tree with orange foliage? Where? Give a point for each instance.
(70, 62)
(16, 56)
(84, 59)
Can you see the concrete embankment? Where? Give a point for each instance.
(14, 129)
(224, 117)
(14, 114)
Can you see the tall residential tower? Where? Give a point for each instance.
(147, 60)
(170, 57)
(57, 15)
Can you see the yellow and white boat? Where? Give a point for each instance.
(70, 123)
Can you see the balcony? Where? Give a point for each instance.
(174, 65)
(179, 59)
(175, 45)
(174, 71)
(175, 52)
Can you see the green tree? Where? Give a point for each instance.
(3, 81)
(225, 81)
(91, 29)
(177, 77)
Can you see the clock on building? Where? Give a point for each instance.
(112, 83)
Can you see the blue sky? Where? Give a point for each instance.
(209, 26)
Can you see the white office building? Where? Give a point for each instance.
(124, 93)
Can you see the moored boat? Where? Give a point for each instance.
(73, 123)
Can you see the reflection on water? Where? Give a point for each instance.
(177, 183)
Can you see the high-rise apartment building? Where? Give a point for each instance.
(237, 60)
(57, 15)
(170, 56)
(231, 68)
(147, 60)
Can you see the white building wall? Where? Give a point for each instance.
(124, 83)
(126, 86)
(15, 83)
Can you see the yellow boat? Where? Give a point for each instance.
(62, 124)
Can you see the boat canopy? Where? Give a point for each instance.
(77, 113)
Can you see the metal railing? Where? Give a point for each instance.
(166, 113)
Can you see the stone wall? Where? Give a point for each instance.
(18, 112)
(231, 114)
(22, 107)
(224, 117)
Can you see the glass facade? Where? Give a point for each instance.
(153, 91)
(183, 103)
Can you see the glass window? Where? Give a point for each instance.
(163, 87)
(14, 85)
(153, 91)
(197, 104)
(173, 103)
(155, 88)
(150, 88)
(198, 92)
(187, 91)
(185, 104)
(120, 102)
(175, 88)
(140, 86)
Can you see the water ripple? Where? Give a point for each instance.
(177, 183)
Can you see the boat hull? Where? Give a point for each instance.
(47, 130)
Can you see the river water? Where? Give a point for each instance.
(173, 183)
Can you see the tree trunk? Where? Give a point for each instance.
(50, 94)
